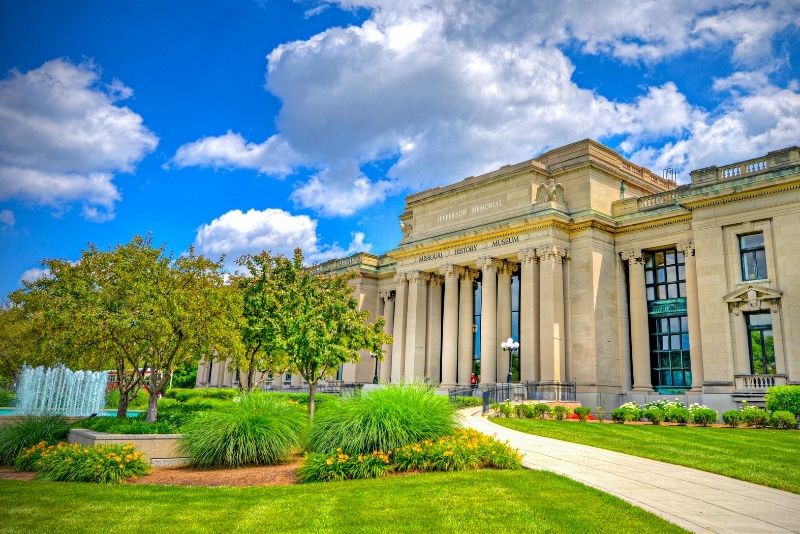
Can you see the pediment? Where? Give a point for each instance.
(751, 293)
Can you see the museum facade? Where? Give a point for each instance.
(608, 275)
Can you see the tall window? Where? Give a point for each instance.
(515, 323)
(761, 343)
(476, 326)
(210, 367)
(665, 282)
(754, 259)
(665, 275)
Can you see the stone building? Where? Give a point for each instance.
(608, 275)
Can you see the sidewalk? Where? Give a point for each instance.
(695, 500)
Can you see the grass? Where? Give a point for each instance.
(483, 501)
(383, 420)
(766, 457)
(29, 431)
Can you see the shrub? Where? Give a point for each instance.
(540, 409)
(654, 415)
(583, 413)
(128, 425)
(677, 414)
(522, 410)
(783, 420)
(635, 413)
(753, 416)
(319, 467)
(139, 402)
(383, 420)
(6, 397)
(177, 414)
(783, 398)
(466, 402)
(624, 415)
(29, 431)
(258, 430)
(704, 416)
(503, 409)
(76, 463)
(732, 418)
(560, 412)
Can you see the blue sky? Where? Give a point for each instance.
(242, 125)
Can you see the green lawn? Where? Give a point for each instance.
(482, 501)
(767, 457)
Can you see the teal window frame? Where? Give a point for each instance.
(761, 343)
(753, 257)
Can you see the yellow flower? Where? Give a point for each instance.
(329, 461)
(122, 466)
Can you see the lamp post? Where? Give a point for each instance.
(375, 378)
(510, 346)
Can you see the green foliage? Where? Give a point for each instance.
(539, 410)
(139, 402)
(76, 463)
(783, 420)
(623, 415)
(383, 419)
(504, 409)
(560, 412)
(185, 376)
(319, 467)
(257, 430)
(753, 416)
(654, 415)
(677, 414)
(183, 394)
(463, 450)
(29, 431)
(583, 413)
(126, 425)
(783, 398)
(466, 402)
(732, 418)
(6, 397)
(704, 416)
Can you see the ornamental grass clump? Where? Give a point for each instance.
(382, 420)
(108, 464)
(29, 431)
(257, 430)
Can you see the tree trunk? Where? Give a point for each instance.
(251, 376)
(152, 406)
(124, 400)
(312, 391)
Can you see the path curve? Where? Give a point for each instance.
(695, 500)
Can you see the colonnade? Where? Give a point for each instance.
(433, 338)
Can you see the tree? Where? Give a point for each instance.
(320, 323)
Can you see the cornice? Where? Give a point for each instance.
(736, 196)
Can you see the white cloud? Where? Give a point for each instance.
(63, 137)
(274, 156)
(449, 89)
(33, 274)
(7, 218)
(235, 233)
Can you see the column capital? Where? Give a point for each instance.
(452, 271)
(418, 277)
(552, 252)
(399, 278)
(508, 267)
(468, 275)
(687, 248)
(527, 256)
(386, 295)
(632, 256)
(435, 279)
(489, 264)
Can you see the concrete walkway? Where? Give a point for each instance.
(695, 500)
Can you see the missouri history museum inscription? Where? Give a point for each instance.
(468, 248)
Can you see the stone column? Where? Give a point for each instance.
(529, 315)
(489, 268)
(466, 313)
(451, 275)
(693, 313)
(399, 330)
(416, 326)
(640, 342)
(388, 317)
(433, 352)
(551, 313)
(503, 316)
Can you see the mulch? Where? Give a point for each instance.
(264, 475)
(8, 473)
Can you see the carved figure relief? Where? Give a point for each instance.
(550, 192)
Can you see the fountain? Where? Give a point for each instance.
(58, 390)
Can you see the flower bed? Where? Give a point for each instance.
(74, 463)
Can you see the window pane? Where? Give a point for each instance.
(648, 277)
(648, 260)
(662, 292)
(651, 293)
(684, 323)
(681, 272)
(664, 325)
(666, 378)
(673, 291)
(676, 344)
(756, 352)
(685, 341)
(662, 275)
(682, 290)
(759, 319)
(760, 265)
(751, 241)
(664, 345)
(670, 257)
(681, 258)
(675, 324)
(672, 274)
(677, 378)
(659, 258)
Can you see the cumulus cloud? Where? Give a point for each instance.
(7, 218)
(447, 89)
(33, 274)
(235, 233)
(63, 137)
